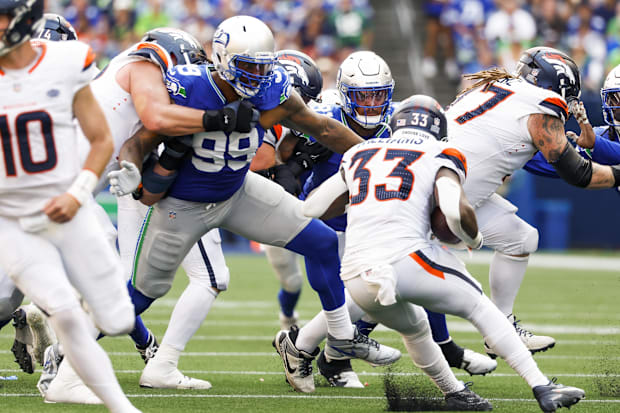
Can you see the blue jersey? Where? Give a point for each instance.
(219, 162)
(323, 170)
(606, 151)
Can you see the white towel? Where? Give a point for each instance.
(381, 282)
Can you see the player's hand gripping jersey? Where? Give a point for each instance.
(489, 126)
(391, 183)
(219, 162)
(37, 129)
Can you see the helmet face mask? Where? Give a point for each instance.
(420, 116)
(24, 16)
(244, 54)
(552, 69)
(610, 95)
(366, 85)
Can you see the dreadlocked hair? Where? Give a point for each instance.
(486, 77)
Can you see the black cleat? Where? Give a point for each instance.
(20, 348)
(554, 396)
(467, 401)
(148, 352)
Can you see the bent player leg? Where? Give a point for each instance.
(208, 274)
(513, 240)
(286, 267)
(46, 283)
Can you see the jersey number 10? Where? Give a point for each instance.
(23, 143)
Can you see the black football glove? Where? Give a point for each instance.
(238, 116)
(306, 154)
(283, 176)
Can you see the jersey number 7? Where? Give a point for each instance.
(407, 157)
(499, 94)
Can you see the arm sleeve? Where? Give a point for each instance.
(319, 202)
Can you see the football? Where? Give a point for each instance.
(440, 227)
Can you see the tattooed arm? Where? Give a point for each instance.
(294, 114)
(549, 137)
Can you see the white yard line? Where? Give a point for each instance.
(559, 261)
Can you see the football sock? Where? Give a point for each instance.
(88, 359)
(288, 301)
(140, 334)
(452, 352)
(319, 245)
(365, 327)
(506, 274)
(439, 328)
(140, 301)
(501, 336)
(426, 354)
(189, 312)
(168, 355)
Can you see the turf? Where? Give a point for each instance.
(233, 351)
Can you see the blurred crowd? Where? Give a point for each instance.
(471, 35)
(327, 30)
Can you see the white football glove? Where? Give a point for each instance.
(578, 111)
(125, 180)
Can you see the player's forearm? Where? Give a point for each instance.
(101, 150)
(604, 176)
(172, 120)
(322, 199)
(136, 148)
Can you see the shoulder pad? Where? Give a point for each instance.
(153, 53)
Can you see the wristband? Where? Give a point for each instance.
(83, 186)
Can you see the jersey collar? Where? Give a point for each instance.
(214, 86)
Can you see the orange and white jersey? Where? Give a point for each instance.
(39, 152)
(489, 126)
(273, 136)
(391, 183)
(116, 103)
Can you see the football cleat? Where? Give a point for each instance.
(476, 363)
(53, 357)
(297, 363)
(338, 373)
(21, 349)
(164, 375)
(148, 352)
(554, 396)
(533, 342)
(32, 337)
(287, 322)
(361, 347)
(467, 400)
(67, 387)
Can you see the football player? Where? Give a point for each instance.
(213, 188)
(390, 267)
(499, 124)
(50, 239)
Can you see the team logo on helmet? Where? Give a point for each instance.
(560, 65)
(221, 37)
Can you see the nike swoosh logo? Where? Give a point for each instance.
(352, 354)
(288, 367)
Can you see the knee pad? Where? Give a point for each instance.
(420, 331)
(120, 319)
(526, 243)
(161, 264)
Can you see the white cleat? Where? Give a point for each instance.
(42, 335)
(533, 342)
(67, 387)
(361, 347)
(53, 357)
(297, 363)
(287, 322)
(164, 375)
(476, 363)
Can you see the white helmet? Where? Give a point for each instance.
(365, 84)
(243, 54)
(610, 95)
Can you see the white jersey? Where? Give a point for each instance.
(489, 126)
(391, 183)
(116, 103)
(39, 156)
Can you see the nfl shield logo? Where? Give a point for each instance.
(172, 215)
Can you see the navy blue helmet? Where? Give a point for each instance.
(550, 68)
(183, 47)
(305, 75)
(55, 27)
(24, 15)
(423, 113)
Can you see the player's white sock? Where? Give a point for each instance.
(189, 312)
(500, 335)
(427, 355)
(88, 359)
(506, 274)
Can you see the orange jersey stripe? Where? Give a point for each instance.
(43, 47)
(157, 50)
(427, 267)
(277, 128)
(559, 103)
(456, 154)
(90, 58)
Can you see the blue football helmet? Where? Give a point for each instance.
(552, 69)
(55, 27)
(25, 14)
(610, 95)
(305, 75)
(365, 84)
(421, 113)
(244, 55)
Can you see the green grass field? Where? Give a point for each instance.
(232, 350)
